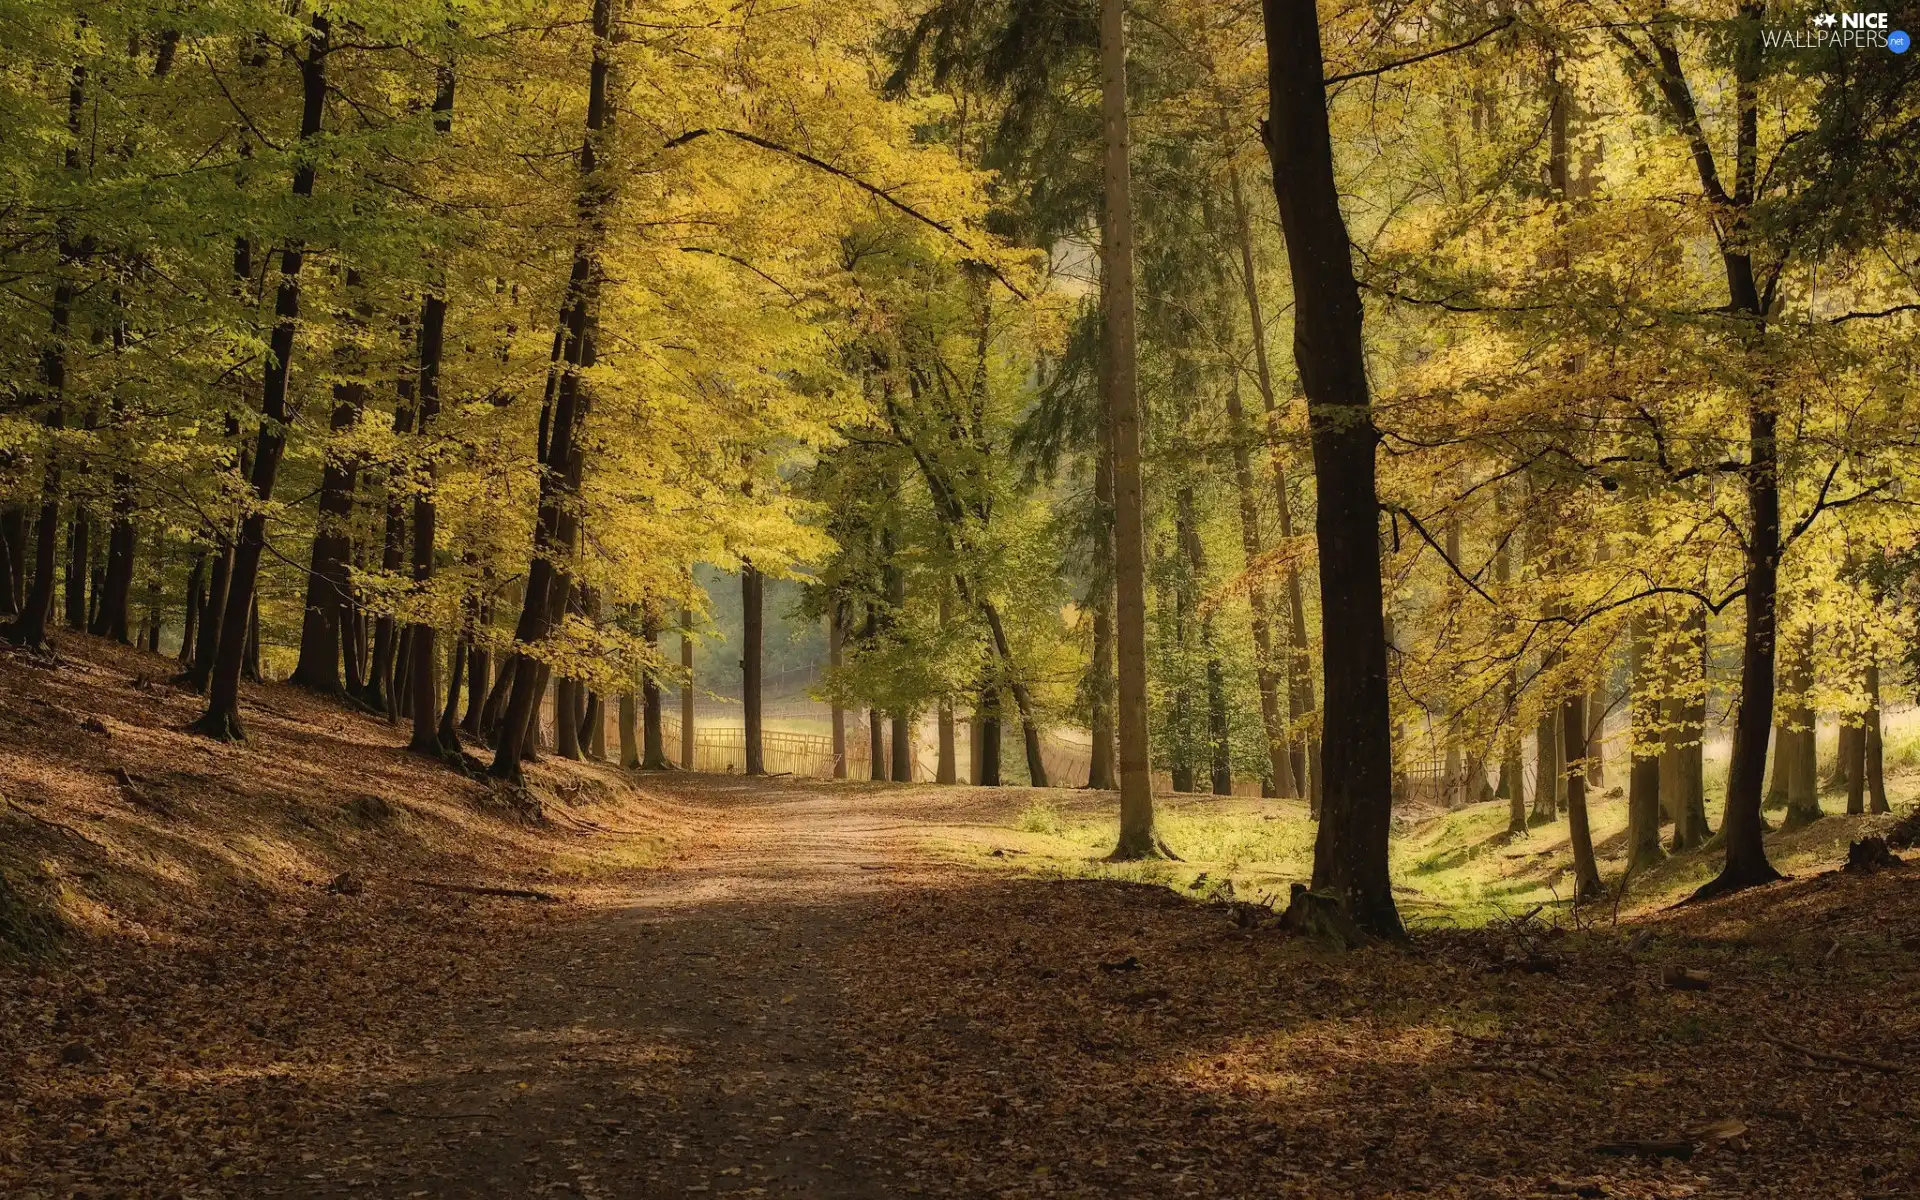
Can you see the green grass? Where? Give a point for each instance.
(1449, 867)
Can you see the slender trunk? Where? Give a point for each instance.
(1219, 752)
(896, 581)
(427, 736)
(1513, 782)
(380, 688)
(195, 582)
(987, 734)
(686, 690)
(1803, 781)
(836, 622)
(1138, 838)
(1741, 829)
(447, 734)
(115, 616)
(79, 531)
(1785, 746)
(947, 769)
(1573, 724)
(1643, 776)
(655, 754)
(752, 633)
(629, 721)
(206, 644)
(1853, 764)
(876, 733)
(250, 663)
(1598, 702)
(222, 718)
(479, 672)
(1683, 763)
(1872, 745)
(35, 607)
(1101, 774)
(13, 559)
(1287, 765)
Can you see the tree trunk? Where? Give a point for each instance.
(554, 526)
(1101, 771)
(1219, 752)
(1741, 829)
(1586, 875)
(35, 606)
(79, 530)
(876, 734)
(1101, 775)
(206, 643)
(629, 739)
(12, 527)
(380, 692)
(115, 616)
(1803, 779)
(1283, 758)
(1022, 699)
(250, 664)
(896, 581)
(593, 729)
(324, 614)
(752, 628)
(836, 623)
(987, 733)
(655, 754)
(1643, 776)
(447, 734)
(686, 690)
(1682, 761)
(1513, 782)
(195, 599)
(1549, 769)
(1873, 746)
(566, 719)
(1350, 853)
(1853, 767)
(222, 718)
(1785, 746)
(1138, 838)
(427, 735)
(479, 672)
(947, 767)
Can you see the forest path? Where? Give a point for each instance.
(812, 1003)
(683, 1038)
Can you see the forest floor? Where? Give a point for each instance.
(791, 988)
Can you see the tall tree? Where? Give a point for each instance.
(1350, 852)
(1138, 838)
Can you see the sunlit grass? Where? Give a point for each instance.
(1458, 867)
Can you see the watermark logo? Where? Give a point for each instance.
(1840, 31)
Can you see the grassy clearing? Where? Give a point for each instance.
(1449, 867)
